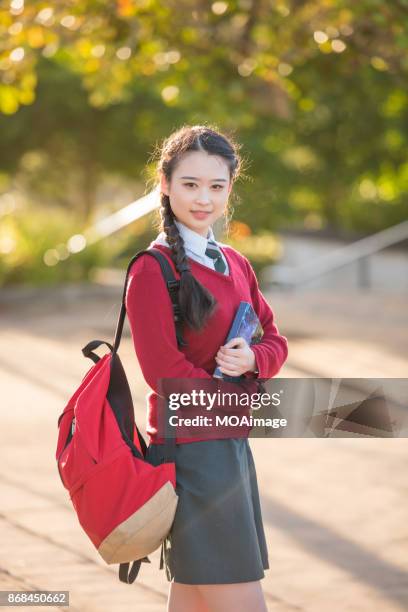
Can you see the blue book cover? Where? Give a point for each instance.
(245, 325)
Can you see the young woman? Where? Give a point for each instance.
(216, 553)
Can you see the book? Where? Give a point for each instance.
(245, 325)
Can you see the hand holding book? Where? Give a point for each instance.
(235, 357)
(245, 330)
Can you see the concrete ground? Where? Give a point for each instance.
(335, 510)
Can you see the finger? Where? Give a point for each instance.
(228, 365)
(229, 372)
(228, 360)
(235, 342)
(230, 354)
(238, 341)
(238, 350)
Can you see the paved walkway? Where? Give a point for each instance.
(335, 510)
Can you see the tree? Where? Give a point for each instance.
(314, 90)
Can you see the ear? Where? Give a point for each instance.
(163, 185)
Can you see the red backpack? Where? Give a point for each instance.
(125, 505)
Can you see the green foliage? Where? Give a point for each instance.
(30, 239)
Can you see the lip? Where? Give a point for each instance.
(200, 214)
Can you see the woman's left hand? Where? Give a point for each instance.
(236, 361)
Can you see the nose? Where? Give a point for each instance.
(203, 197)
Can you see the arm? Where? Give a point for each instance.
(272, 351)
(150, 315)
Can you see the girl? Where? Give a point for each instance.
(216, 553)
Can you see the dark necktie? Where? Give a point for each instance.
(215, 254)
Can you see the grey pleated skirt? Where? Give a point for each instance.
(217, 536)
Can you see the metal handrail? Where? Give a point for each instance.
(114, 222)
(106, 226)
(357, 251)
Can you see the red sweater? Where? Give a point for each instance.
(150, 315)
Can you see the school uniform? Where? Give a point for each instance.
(217, 536)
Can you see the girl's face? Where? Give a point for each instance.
(199, 184)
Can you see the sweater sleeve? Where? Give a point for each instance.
(150, 314)
(272, 351)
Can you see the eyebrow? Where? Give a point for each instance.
(195, 178)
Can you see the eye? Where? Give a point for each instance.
(194, 184)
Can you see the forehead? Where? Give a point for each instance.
(203, 166)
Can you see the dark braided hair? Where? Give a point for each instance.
(196, 303)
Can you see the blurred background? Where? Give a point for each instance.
(315, 93)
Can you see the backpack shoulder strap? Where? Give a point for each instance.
(172, 286)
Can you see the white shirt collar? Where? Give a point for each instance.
(192, 240)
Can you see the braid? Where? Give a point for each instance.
(174, 238)
(191, 302)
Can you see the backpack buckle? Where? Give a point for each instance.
(173, 284)
(173, 287)
(176, 312)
